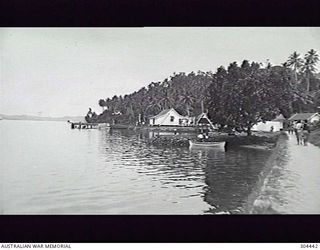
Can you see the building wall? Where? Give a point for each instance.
(267, 126)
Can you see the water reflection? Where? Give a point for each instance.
(222, 179)
(56, 170)
(231, 177)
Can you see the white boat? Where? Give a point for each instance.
(216, 144)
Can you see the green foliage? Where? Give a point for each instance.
(295, 62)
(239, 96)
(181, 91)
(243, 96)
(307, 84)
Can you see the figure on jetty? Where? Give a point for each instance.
(297, 131)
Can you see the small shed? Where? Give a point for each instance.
(203, 120)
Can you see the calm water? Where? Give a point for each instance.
(47, 168)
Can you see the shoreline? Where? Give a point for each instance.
(256, 204)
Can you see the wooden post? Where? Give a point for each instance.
(202, 107)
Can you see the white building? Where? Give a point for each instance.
(169, 117)
(274, 125)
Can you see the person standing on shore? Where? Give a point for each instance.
(294, 127)
(305, 133)
(290, 128)
(298, 132)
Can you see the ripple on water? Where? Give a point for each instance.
(118, 172)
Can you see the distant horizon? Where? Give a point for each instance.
(63, 71)
(42, 116)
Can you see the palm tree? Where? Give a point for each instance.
(165, 101)
(114, 103)
(187, 99)
(102, 104)
(309, 67)
(295, 62)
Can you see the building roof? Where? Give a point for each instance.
(279, 118)
(203, 119)
(202, 116)
(165, 111)
(301, 116)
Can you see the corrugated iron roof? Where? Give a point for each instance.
(301, 116)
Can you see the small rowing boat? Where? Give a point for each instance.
(216, 144)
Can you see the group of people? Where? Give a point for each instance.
(302, 130)
(203, 136)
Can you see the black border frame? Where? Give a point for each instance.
(137, 13)
(158, 229)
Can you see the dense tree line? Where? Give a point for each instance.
(306, 81)
(238, 96)
(184, 92)
(243, 96)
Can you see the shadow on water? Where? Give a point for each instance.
(224, 180)
(231, 177)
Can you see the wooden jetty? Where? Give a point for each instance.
(86, 125)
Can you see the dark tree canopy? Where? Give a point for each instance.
(246, 95)
(181, 91)
(238, 96)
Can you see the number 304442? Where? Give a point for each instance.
(309, 246)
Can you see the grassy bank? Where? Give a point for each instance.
(315, 137)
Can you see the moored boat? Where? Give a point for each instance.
(213, 144)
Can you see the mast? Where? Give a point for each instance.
(202, 107)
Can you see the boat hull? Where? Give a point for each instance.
(220, 144)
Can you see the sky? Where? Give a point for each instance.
(63, 71)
